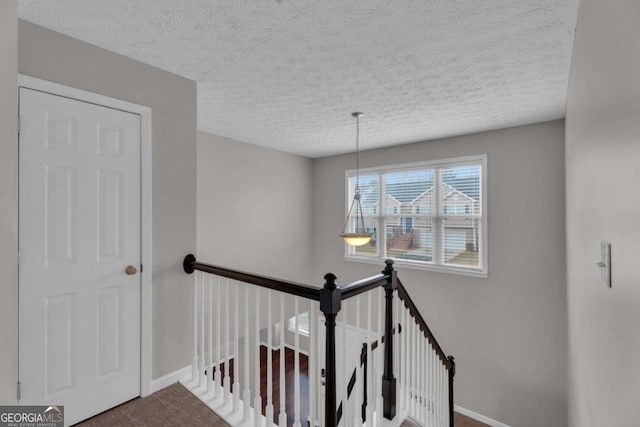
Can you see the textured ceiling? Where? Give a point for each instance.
(287, 74)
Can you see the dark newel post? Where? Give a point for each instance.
(388, 380)
(452, 373)
(330, 303)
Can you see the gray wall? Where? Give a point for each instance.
(52, 56)
(603, 203)
(254, 214)
(508, 332)
(254, 208)
(8, 201)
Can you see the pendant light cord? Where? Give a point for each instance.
(358, 154)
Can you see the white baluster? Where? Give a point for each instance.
(194, 362)
(401, 350)
(419, 379)
(436, 395)
(320, 344)
(201, 377)
(405, 359)
(236, 350)
(346, 372)
(423, 382)
(246, 395)
(409, 364)
(442, 398)
(443, 382)
(429, 384)
(227, 343)
(357, 388)
(414, 384)
(425, 379)
(418, 370)
(217, 381)
(432, 386)
(439, 391)
(397, 350)
(445, 409)
(446, 393)
(210, 338)
(380, 354)
(269, 408)
(313, 350)
(416, 356)
(282, 418)
(370, 394)
(257, 401)
(296, 384)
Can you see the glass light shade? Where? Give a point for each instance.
(356, 239)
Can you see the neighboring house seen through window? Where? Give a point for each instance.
(432, 215)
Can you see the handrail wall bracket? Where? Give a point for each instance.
(187, 264)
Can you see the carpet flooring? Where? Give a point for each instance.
(171, 406)
(176, 406)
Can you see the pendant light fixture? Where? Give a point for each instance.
(359, 236)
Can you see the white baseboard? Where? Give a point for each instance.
(172, 378)
(478, 417)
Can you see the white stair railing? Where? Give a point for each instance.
(234, 323)
(379, 357)
(426, 375)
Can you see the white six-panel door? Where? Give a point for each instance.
(79, 230)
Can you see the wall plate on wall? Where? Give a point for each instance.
(605, 263)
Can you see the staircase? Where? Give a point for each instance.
(401, 241)
(365, 358)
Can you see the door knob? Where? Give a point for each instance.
(130, 270)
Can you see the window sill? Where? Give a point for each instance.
(479, 272)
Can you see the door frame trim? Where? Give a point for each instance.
(146, 206)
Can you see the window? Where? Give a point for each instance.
(456, 209)
(303, 323)
(433, 214)
(422, 209)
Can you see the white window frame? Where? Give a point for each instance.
(480, 271)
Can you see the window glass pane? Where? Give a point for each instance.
(460, 190)
(369, 193)
(302, 321)
(371, 248)
(406, 190)
(460, 238)
(410, 238)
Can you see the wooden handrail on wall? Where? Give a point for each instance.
(190, 265)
